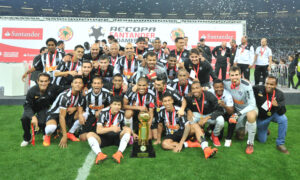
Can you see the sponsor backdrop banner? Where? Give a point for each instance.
(21, 40)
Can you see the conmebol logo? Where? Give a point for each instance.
(22, 33)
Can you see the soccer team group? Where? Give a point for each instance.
(96, 97)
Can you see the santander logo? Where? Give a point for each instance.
(22, 33)
(217, 36)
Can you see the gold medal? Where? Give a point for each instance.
(269, 113)
(157, 109)
(128, 77)
(172, 131)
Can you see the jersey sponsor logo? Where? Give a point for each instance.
(217, 36)
(238, 102)
(65, 33)
(22, 33)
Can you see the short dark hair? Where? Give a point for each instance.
(118, 75)
(60, 42)
(78, 46)
(178, 38)
(117, 98)
(77, 77)
(172, 56)
(104, 57)
(51, 39)
(195, 51)
(43, 74)
(196, 82)
(42, 49)
(140, 39)
(167, 95)
(97, 41)
(165, 42)
(104, 41)
(216, 81)
(110, 37)
(97, 77)
(235, 68)
(115, 40)
(150, 53)
(143, 79)
(87, 61)
(273, 77)
(162, 77)
(157, 39)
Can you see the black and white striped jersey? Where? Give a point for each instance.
(171, 120)
(136, 99)
(182, 90)
(106, 119)
(66, 99)
(48, 62)
(95, 102)
(126, 67)
(67, 66)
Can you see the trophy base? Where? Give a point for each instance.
(139, 151)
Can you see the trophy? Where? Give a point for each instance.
(143, 147)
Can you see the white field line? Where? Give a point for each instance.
(84, 171)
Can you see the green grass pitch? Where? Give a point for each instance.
(38, 162)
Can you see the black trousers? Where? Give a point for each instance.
(298, 83)
(26, 122)
(223, 67)
(260, 71)
(291, 80)
(245, 70)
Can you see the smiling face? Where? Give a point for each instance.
(182, 77)
(97, 85)
(194, 58)
(129, 50)
(151, 62)
(95, 49)
(142, 87)
(115, 107)
(140, 45)
(270, 84)
(78, 53)
(180, 44)
(104, 64)
(168, 103)
(86, 68)
(43, 82)
(159, 85)
(157, 44)
(114, 49)
(77, 84)
(196, 90)
(117, 82)
(171, 62)
(219, 88)
(235, 77)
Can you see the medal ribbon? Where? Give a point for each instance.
(202, 106)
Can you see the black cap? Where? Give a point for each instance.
(140, 39)
(202, 39)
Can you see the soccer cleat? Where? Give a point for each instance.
(233, 118)
(215, 140)
(117, 156)
(227, 143)
(193, 143)
(100, 157)
(24, 143)
(249, 149)
(72, 137)
(209, 152)
(47, 140)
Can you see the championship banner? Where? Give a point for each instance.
(21, 39)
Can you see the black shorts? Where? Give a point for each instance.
(90, 125)
(110, 139)
(69, 118)
(175, 137)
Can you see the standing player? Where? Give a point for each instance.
(67, 107)
(158, 50)
(245, 107)
(244, 57)
(205, 49)
(114, 53)
(171, 68)
(271, 104)
(179, 51)
(262, 61)
(221, 53)
(232, 51)
(38, 100)
(111, 130)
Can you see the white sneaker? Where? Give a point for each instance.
(227, 143)
(24, 143)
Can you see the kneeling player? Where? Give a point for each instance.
(173, 123)
(112, 131)
(63, 110)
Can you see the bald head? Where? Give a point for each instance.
(263, 42)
